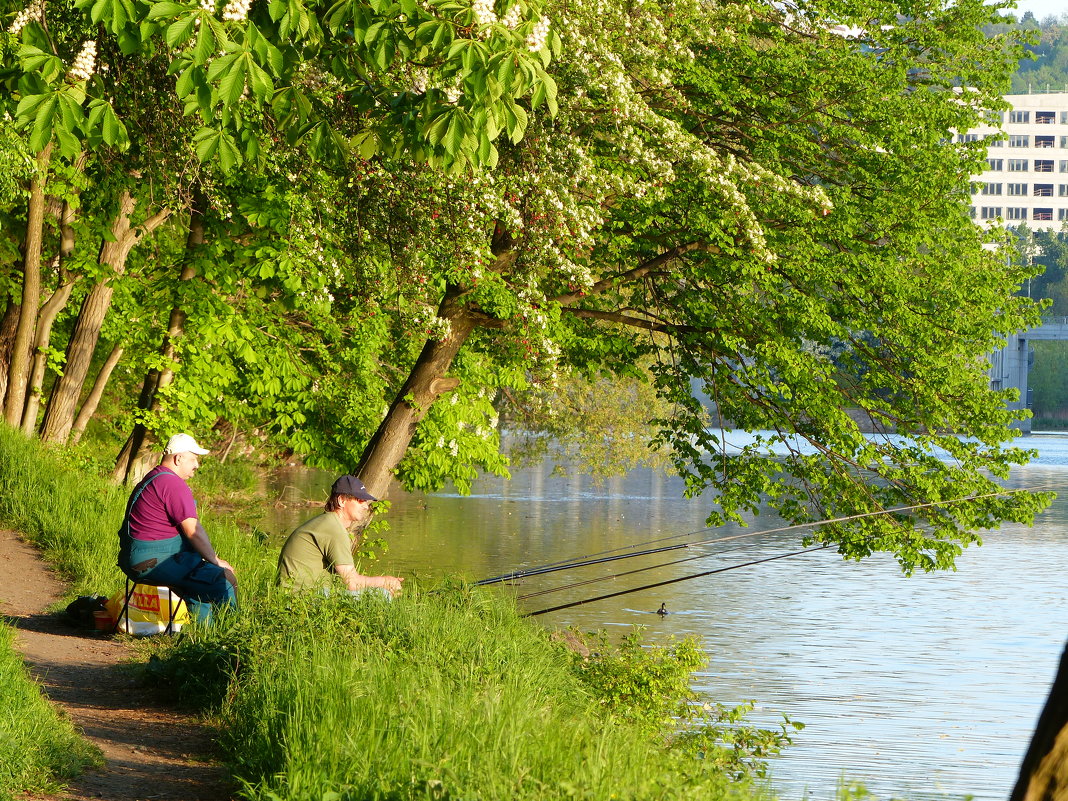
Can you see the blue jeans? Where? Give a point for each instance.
(185, 571)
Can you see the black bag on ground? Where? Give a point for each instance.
(80, 610)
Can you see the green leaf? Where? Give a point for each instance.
(372, 33)
(113, 130)
(229, 155)
(69, 146)
(221, 65)
(206, 143)
(506, 71)
(42, 124)
(163, 8)
(33, 59)
(70, 112)
(366, 143)
(205, 46)
(232, 84)
(184, 85)
(28, 106)
(178, 32)
(436, 129)
(454, 134)
(101, 10)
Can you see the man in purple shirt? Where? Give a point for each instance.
(162, 542)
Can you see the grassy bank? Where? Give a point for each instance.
(38, 747)
(444, 693)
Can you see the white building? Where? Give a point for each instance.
(1026, 178)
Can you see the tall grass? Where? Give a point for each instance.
(38, 747)
(444, 693)
(439, 694)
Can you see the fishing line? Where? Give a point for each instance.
(583, 562)
(676, 580)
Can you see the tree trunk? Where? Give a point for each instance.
(8, 325)
(52, 307)
(155, 380)
(62, 403)
(18, 370)
(1044, 772)
(424, 384)
(91, 402)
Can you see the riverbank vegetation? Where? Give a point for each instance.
(443, 693)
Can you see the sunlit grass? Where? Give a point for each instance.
(39, 748)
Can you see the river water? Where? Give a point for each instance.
(925, 687)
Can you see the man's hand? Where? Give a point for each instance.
(228, 570)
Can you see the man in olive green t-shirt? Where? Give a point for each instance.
(322, 546)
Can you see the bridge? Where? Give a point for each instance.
(1009, 365)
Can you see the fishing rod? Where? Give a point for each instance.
(578, 560)
(676, 580)
(744, 564)
(585, 562)
(611, 576)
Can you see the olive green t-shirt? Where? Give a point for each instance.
(312, 551)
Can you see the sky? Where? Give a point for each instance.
(1041, 8)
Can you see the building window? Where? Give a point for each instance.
(1018, 190)
(1017, 214)
(1062, 214)
(995, 140)
(1043, 165)
(1064, 166)
(993, 117)
(1064, 118)
(971, 211)
(1019, 116)
(1020, 165)
(1019, 140)
(1062, 190)
(1043, 190)
(1064, 141)
(1045, 117)
(997, 165)
(1042, 214)
(989, 212)
(1045, 141)
(995, 189)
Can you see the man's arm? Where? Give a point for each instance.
(198, 538)
(356, 581)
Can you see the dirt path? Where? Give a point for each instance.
(151, 752)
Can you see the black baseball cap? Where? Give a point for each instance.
(350, 485)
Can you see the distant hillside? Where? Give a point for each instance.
(1048, 70)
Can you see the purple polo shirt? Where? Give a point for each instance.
(160, 509)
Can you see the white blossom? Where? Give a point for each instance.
(513, 17)
(34, 11)
(84, 63)
(536, 38)
(484, 13)
(236, 10)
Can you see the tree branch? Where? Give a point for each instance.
(638, 272)
(637, 322)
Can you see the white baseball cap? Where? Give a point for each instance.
(183, 443)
